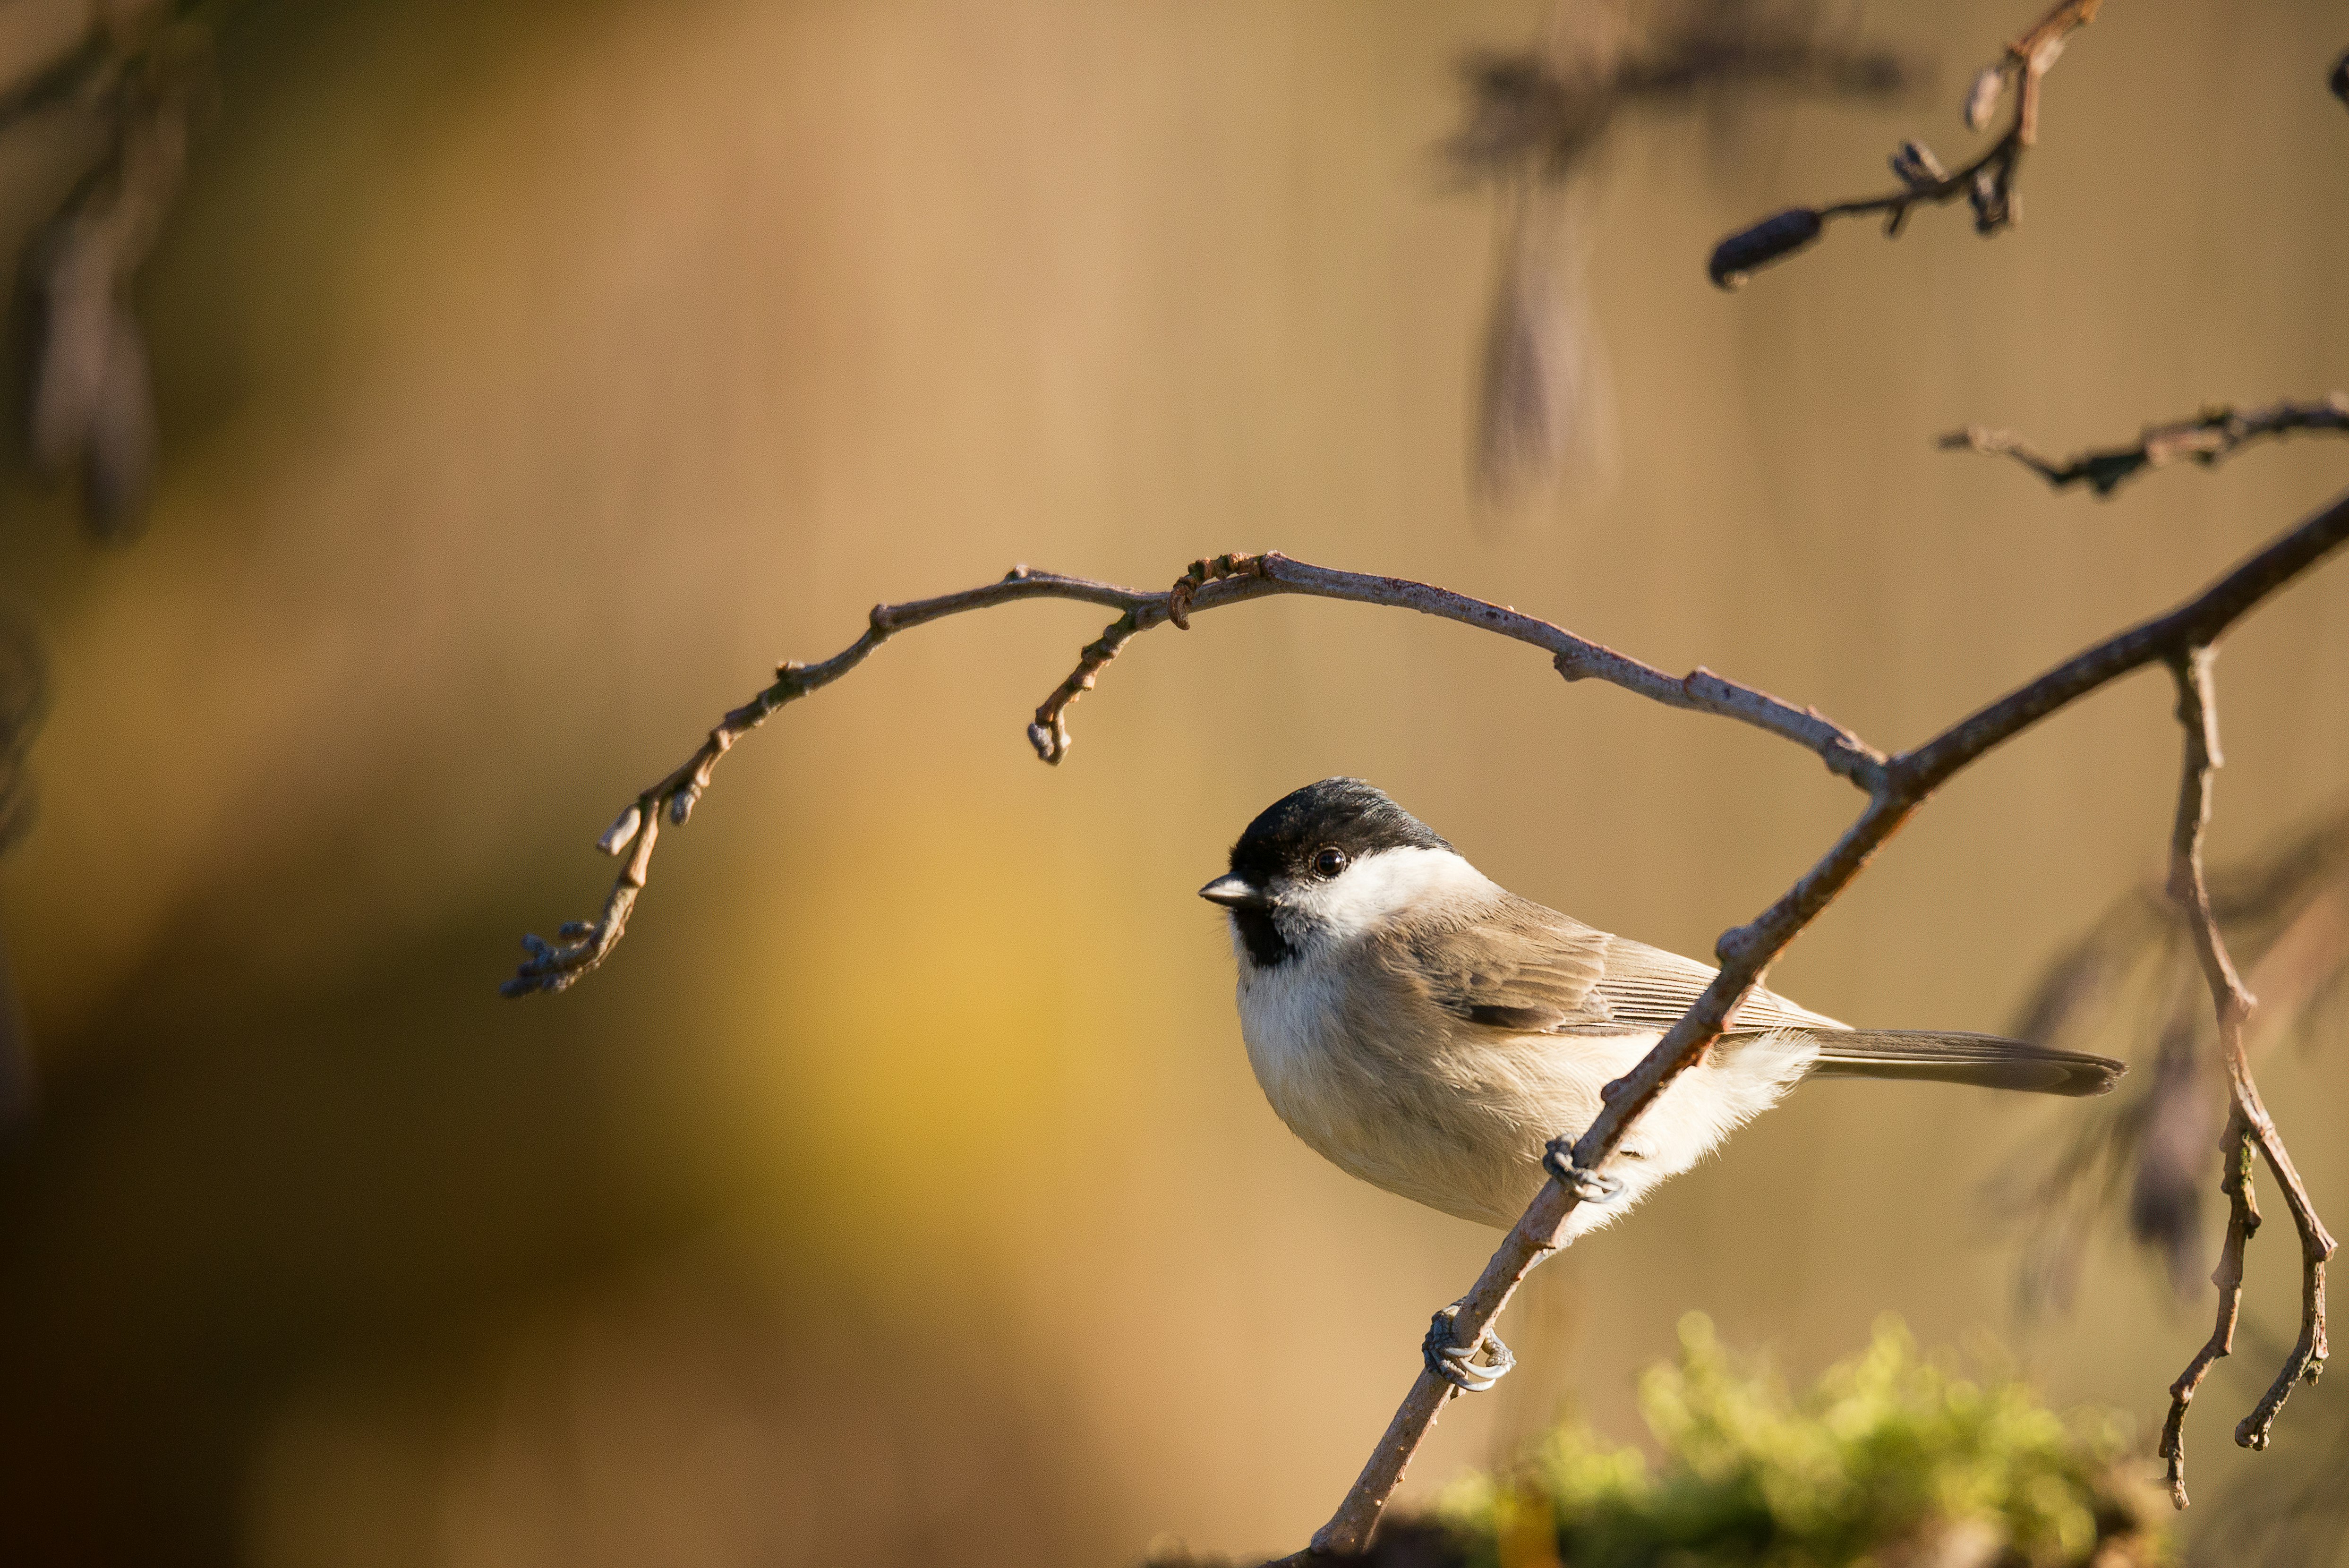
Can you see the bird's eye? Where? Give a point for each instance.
(1330, 863)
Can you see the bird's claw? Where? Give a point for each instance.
(1455, 1363)
(1590, 1186)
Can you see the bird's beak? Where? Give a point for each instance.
(1234, 893)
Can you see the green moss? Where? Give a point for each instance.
(1891, 1459)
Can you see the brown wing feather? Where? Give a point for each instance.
(1523, 969)
(1513, 966)
(1526, 969)
(1647, 988)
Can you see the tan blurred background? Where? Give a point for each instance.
(533, 376)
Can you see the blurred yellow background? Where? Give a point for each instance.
(533, 376)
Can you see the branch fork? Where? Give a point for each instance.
(2248, 1125)
(1988, 182)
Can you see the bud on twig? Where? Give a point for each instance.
(1991, 196)
(2339, 82)
(1758, 246)
(621, 833)
(1984, 96)
(1914, 165)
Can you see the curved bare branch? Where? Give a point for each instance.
(581, 945)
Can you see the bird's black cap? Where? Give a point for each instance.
(1343, 813)
(1283, 843)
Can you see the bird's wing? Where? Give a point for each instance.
(1526, 969)
(1646, 987)
(1513, 966)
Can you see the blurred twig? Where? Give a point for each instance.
(2208, 439)
(1535, 118)
(144, 68)
(23, 699)
(1542, 112)
(2135, 976)
(1988, 182)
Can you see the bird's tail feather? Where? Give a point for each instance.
(1986, 1060)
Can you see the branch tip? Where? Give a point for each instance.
(1750, 250)
(1982, 100)
(622, 832)
(1988, 184)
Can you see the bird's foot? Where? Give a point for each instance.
(1455, 1363)
(1590, 1186)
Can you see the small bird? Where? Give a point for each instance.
(1430, 1032)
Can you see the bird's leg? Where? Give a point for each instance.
(1590, 1186)
(1456, 1363)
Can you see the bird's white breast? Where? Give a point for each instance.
(1293, 1015)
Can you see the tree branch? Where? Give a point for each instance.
(2243, 1221)
(2209, 438)
(1210, 584)
(1987, 183)
(1746, 952)
(2247, 1122)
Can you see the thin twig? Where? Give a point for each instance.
(2247, 1122)
(1988, 182)
(2242, 1223)
(2209, 438)
(581, 945)
(2198, 718)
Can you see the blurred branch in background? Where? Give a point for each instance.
(2135, 976)
(1534, 121)
(24, 701)
(142, 69)
(1988, 182)
(2211, 437)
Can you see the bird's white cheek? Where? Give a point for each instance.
(1378, 888)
